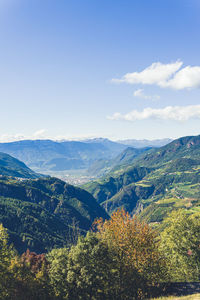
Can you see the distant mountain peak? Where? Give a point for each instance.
(145, 143)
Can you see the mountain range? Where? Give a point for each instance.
(145, 143)
(155, 182)
(44, 155)
(41, 213)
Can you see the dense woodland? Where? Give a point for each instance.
(42, 213)
(121, 258)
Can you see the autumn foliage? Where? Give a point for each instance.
(136, 247)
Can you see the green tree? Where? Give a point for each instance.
(24, 277)
(6, 256)
(180, 243)
(58, 259)
(91, 270)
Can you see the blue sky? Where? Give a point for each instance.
(110, 68)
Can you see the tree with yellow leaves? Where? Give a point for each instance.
(135, 245)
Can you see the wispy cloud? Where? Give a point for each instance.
(188, 77)
(39, 134)
(140, 94)
(154, 74)
(175, 113)
(6, 137)
(165, 75)
(42, 134)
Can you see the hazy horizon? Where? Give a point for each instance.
(10, 139)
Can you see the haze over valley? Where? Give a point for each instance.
(75, 161)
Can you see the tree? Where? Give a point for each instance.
(91, 270)
(135, 244)
(29, 274)
(22, 277)
(58, 259)
(180, 243)
(6, 255)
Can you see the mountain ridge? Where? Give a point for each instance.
(173, 181)
(10, 166)
(42, 154)
(40, 214)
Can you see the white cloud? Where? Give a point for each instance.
(175, 113)
(4, 138)
(188, 77)
(154, 74)
(40, 134)
(140, 94)
(165, 75)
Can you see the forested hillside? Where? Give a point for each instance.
(11, 166)
(45, 213)
(128, 156)
(171, 180)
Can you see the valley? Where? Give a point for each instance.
(76, 177)
(75, 161)
(149, 182)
